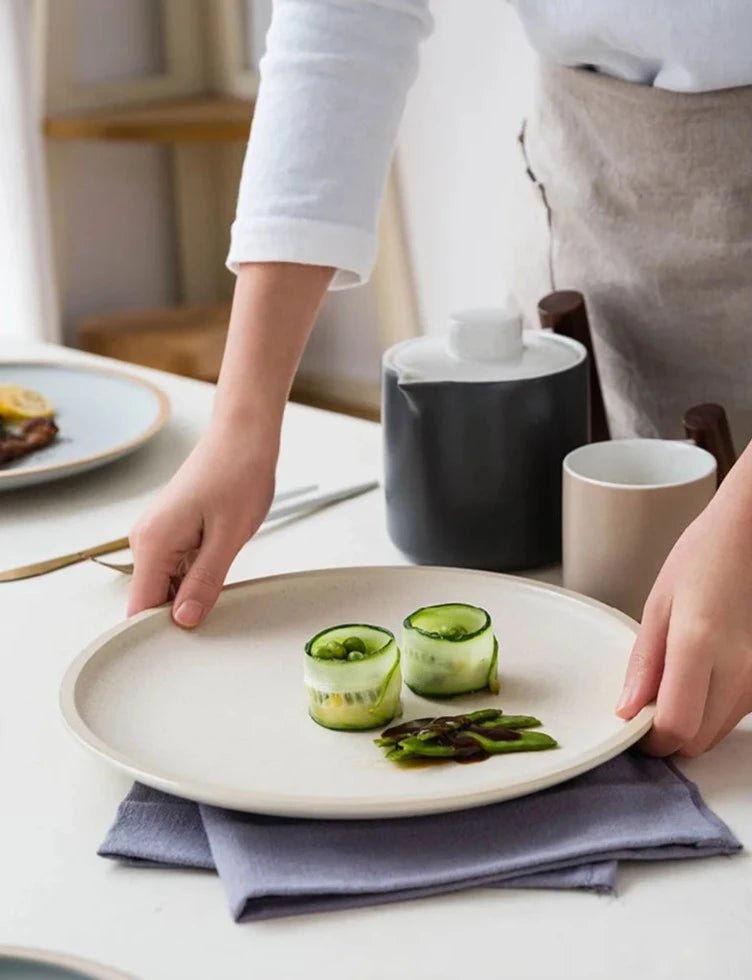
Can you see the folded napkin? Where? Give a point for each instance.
(570, 836)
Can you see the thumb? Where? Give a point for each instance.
(199, 590)
(645, 667)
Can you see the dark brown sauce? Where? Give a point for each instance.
(466, 748)
(423, 762)
(451, 732)
(407, 728)
(465, 760)
(497, 734)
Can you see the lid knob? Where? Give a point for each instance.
(486, 335)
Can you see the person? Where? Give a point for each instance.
(637, 149)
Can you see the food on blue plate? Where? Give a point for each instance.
(19, 404)
(21, 440)
(449, 649)
(26, 422)
(470, 737)
(352, 673)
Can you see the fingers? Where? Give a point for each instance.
(683, 692)
(646, 660)
(203, 582)
(155, 561)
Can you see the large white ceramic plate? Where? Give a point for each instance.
(102, 415)
(20, 963)
(220, 715)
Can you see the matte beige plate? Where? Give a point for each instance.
(220, 715)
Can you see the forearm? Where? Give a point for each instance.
(273, 311)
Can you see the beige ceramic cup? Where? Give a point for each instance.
(625, 504)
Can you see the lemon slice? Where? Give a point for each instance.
(18, 404)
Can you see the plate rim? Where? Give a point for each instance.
(129, 445)
(48, 957)
(346, 808)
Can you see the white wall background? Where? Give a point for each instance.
(458, 141)
(118, 252)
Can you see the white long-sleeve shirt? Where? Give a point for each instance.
(336, 74)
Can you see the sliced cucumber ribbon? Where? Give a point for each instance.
(354, 694)
(338, 676)
(450, 649)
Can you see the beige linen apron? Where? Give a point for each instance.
(643, 201)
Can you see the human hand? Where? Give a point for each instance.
(198, 523)
(221, 494)
(694, 649)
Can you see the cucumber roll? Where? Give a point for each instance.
(450, 649)
(352, 674)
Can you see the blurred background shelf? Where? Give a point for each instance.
(146, 108)
(200, 119)
(187, 340)
(190, 340)
(337, 393)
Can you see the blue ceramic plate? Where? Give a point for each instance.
(102, 415)
(19, 963)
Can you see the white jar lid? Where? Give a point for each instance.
(483, 345)
(486, 335)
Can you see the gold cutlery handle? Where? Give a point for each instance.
(52, 564)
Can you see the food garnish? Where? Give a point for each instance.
(470, 737)
(28, 438)
(21, 404)
(26, 422)
(353, 677)
(450, 649)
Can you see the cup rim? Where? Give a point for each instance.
(680, 445)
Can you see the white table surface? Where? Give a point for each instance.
(689, 919)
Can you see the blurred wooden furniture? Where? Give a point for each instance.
(190, 341)
(338, 394)
(186, 340)
(195, 97)
(197, 119)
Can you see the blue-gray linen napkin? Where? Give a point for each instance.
(571, 836)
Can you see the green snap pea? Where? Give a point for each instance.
(467, 737)
(514, 722)
(527, 742)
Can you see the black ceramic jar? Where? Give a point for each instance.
(476, 425)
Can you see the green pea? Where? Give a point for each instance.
(451, 632)
(354, 644)
(356, 655)
(333, 650)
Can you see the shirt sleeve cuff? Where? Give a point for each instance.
(351, 251)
